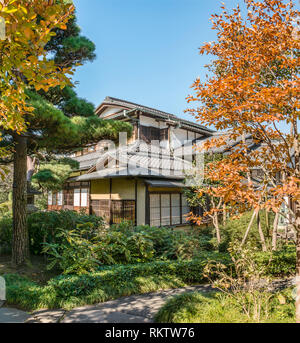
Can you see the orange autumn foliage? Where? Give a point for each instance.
(254, 87)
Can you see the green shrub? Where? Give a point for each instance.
(5, 233)
(172, 244)
(217, 308)
(43, 227)
(74, 254)
(124, 247)
(235, 229)
(121, 244)
(279, 263)
(5, 208)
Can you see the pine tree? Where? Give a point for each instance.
(61, 122)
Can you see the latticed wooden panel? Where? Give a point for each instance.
(123, 210)
(101, 208)
(69, 197)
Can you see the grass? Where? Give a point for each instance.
(217, 308)
(28, 295)
(108, 283)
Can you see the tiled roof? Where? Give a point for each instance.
(137, 158)
(165, 115)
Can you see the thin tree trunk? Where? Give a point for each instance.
(267, 223)
(248, 228)
(217, 228)
(20, 244)
(274, 234)
(298, 261)
(216, 221)
(261, 234)
(224, 215)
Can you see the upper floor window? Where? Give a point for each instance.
(150, 133)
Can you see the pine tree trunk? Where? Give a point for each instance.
(20, 244)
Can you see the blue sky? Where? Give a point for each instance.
(147, 50)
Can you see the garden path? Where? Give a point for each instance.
(131, 309)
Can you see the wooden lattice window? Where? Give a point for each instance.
(149, 133)
(122, 210)
(164, 134)
(115, 211)
(68, 197)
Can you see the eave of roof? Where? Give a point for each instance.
(125, 173)
(110, 101)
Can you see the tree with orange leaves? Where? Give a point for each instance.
(253, 91)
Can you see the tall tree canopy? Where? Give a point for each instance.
(254, 86)
(58, 120)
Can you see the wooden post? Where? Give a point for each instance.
(147, 206)
(110, 202)
(136, 199)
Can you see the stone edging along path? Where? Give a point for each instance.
(132, 309)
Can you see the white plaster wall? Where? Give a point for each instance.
(110, 110)
(145, 121)
(178, 137)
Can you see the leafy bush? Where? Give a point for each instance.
(5, 233)
(172, 244)
(5, 208)
(120, 244)
(279, 263)
(78, 251)
(195, 307)
(43, 227)
(125, 247)
(235, 229)
(73, 253)
(109, 282)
